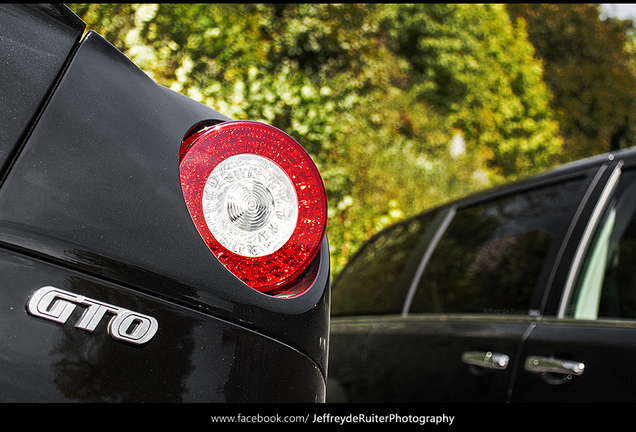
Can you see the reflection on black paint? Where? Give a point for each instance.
(257, 367)
(92, 367)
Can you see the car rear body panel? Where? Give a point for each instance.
(193, 357)
(36, 42)
(92, 204)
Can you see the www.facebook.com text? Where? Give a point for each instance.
(336, 419)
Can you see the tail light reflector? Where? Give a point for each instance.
(257, 199)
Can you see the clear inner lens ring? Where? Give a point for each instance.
(249, 205)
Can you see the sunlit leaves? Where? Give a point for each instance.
(479, 70)
(589, 69)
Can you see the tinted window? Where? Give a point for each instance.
(489, 259)
(606, 284)
(371, 282)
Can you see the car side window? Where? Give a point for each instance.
(370, 283)
(605, 286)
(490, 257)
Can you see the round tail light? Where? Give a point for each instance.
(257, 200)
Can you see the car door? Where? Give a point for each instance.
(371, 288)
(583, 348)
(475, 300)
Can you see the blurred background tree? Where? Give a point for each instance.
(589, 68)
(402, 107)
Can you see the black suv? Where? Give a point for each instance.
(524, 293)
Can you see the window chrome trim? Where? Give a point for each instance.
(586, 237)
(426, 258)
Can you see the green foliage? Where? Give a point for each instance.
(471, 63)
(402, 107)
(590, 71)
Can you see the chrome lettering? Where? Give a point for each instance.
(57, 305)
(132, 327)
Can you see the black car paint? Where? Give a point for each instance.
(91, 203)
(404, 357)
(35, 43)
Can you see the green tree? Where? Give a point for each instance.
(589, 71)
(477, 68)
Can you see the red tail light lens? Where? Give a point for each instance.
(256, 198)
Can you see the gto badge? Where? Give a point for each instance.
(56, 305)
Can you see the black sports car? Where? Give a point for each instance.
(524, 293)
(151, 249)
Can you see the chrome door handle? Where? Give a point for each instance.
(541, 365)
(486, 359)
